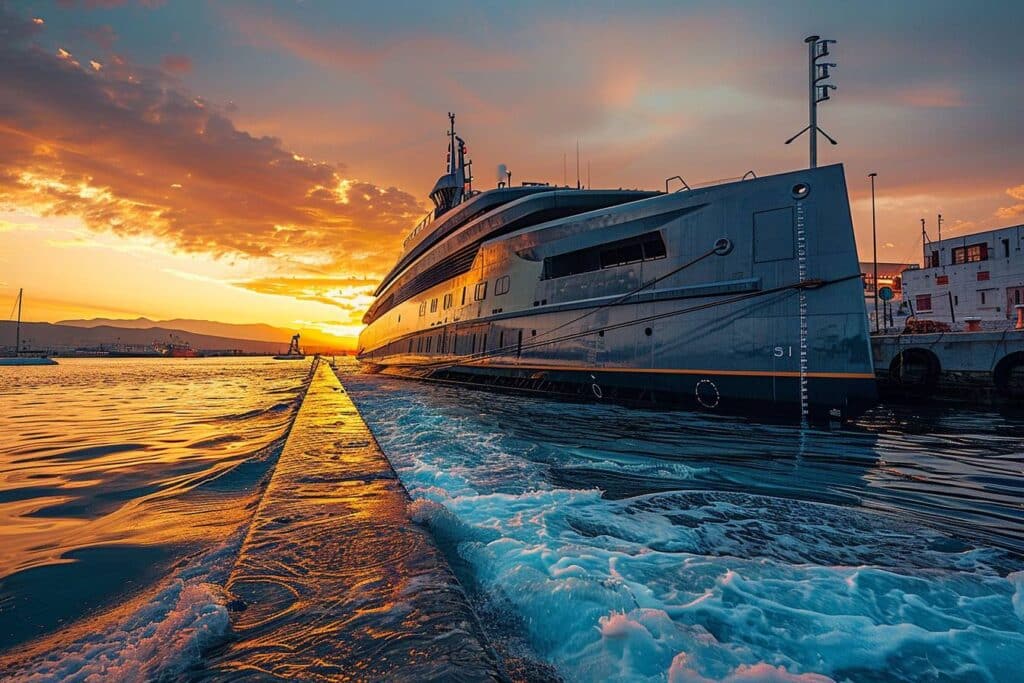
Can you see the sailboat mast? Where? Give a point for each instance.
(17, 328)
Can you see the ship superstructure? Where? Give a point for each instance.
(740, 296)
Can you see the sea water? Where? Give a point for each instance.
(596, 542)
(623, 544)
(125, 487)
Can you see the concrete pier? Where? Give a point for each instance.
(334, 580)
(983, 366)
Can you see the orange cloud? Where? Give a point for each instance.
(1016, 210)
(128, 151)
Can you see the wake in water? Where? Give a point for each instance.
(722, 554)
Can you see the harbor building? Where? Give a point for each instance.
(969, 277)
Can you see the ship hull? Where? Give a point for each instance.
(766, 395)
(629, 305)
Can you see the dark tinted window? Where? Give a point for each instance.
(632, 250)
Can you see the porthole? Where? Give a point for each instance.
(801, 190)
(648, 331)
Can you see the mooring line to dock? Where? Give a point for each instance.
(334, 579)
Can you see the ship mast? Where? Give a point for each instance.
(457, 182)
(17, 328)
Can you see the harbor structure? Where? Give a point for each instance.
(976, 278)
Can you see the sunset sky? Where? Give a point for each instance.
(260, 161)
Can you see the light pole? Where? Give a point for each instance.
(874, 247)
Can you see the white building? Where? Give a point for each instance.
(979, 275)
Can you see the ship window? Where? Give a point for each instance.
(410, 346)
(447, 301)
(463, 296)
(970, 254)
(501, 285)
(982, 298)
(956, 300)
(923, 302)
(433, 305)
(519, 342)
(419, 344)
(1006, 248)
(480, 292)
(423, 308)
(645, 247)
(501, 339)
(428, 344)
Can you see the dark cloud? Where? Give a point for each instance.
(129, 151)
(178, 64)
(103, 36)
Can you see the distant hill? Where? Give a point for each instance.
(60, 337)
(251, 331)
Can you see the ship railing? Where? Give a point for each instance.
(410, 239)
(707, 183)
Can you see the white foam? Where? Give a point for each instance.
(703, 585)
(163, 638)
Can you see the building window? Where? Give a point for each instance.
(923, 302)
(1006, 248)
(982, 275)
(447, 301)
(501, 285)
(433, 305)
(463, 296)
(942, 279)
(970, 254)
(423, 308)
(480, 292)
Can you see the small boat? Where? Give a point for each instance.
(24, 357)
(294, 352)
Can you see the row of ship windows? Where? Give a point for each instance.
(501, 286)
(466, 344)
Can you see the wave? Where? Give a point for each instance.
(162, 637)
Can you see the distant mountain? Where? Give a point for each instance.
(251, 331)
(60, 337)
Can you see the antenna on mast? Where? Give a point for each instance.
(816, 73)
(577, 163)
(940, 227)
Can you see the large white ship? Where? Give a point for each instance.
(743, 296)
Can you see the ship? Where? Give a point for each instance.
(740, 296)
(176, 348)
(21, 356)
